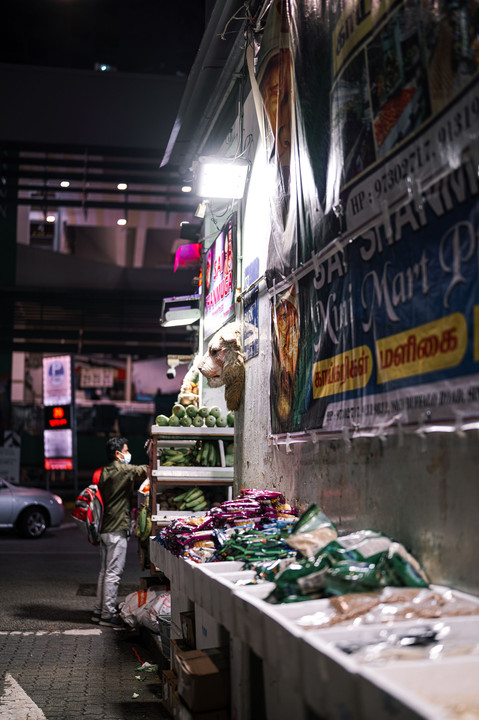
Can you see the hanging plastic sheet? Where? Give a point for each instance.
(375, 213)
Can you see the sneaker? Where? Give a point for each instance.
(113, 621)
(96, 617)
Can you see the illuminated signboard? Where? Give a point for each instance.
(219, 279)
(57, 416)
(57, 402)
(57, 380)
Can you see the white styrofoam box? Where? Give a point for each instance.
(249, 609)
(160, 557)
(282, 702)
(222, 587)
(186, 569)
(180, 602)
(283, 634)
(208, 571)
(455, 636)
(329, 680)
(220, 568)
(208, 631)
(216, 592)
(445, 690)
(240, 686)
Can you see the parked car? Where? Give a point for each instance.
(29, 510)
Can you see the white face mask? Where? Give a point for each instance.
(126, 459)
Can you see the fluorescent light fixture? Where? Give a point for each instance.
(121, 221)
(186, 188)
(182, 310)
(122, 186)
(217, 177)
(65, 183)
(50, 218)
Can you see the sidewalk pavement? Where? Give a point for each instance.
(78, 674)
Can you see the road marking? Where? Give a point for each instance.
(78, 631)
(15, 703)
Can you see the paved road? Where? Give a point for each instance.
(54, 663)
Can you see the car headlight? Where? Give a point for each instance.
(58, 499)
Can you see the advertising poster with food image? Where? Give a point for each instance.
(220, 279)
(390, 329)
(386, 282)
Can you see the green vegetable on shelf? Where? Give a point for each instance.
(178, 410)
(215, 411)
(161, 420)
(173, 421)
(210, 421)
(191, 411)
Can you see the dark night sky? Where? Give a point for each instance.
(138, 36)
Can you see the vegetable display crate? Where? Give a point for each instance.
(182, 433)
(164, 476)
(183, 475)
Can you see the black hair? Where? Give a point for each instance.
(113, 444)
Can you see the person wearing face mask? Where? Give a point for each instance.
(116, 486)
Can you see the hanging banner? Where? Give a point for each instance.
(220, 279)
(251, 312)
(382, 286)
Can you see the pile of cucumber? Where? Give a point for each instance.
(191, 416)
(206, 453)
(192, 499)
(177, 457)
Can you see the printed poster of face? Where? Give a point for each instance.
(285, 335)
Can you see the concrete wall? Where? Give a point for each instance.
(421, 491)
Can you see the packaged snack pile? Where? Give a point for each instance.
(209, 538)
(304, 557)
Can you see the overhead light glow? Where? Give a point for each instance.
(217, 177)
(121, 221)
(122, 186)
(182, 310)
(65, 183)
(50, 218)
(186, 188)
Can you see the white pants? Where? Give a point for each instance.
(113, 548)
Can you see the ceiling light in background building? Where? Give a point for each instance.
(222, 178)
(121, 221)
(122, 186)
(50, 218)
(104, 67)
(183, 310)
(186, 188)
(65, 183)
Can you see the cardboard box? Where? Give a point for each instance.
(169, 684)
(188, 628)
(204, 680)
(180, 649)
